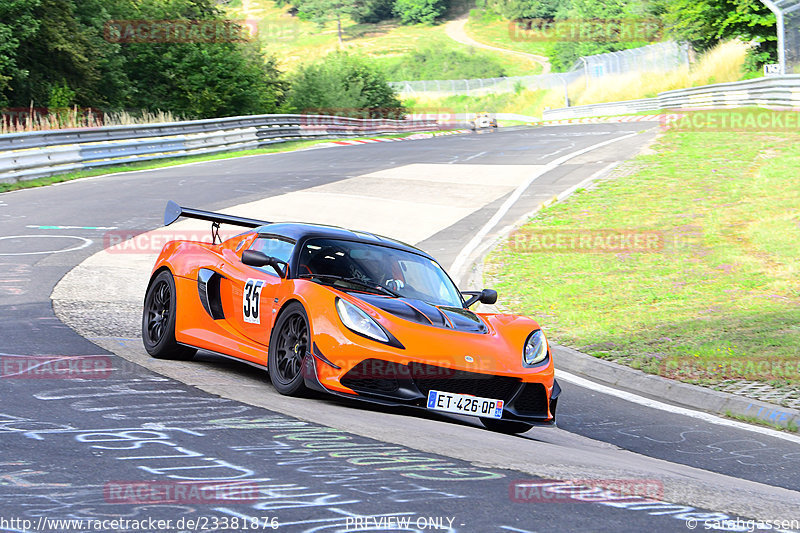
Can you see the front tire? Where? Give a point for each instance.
(287, 349)
(158, 320)
(505, 426)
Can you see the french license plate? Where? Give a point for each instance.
(464, 404)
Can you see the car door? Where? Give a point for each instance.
(249, 292)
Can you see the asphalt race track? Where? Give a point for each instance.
(70, 447)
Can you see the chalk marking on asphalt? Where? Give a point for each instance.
(661, 406)
(473, 244)
(86, 242)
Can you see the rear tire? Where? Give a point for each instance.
(158, 320)
(505, 426)
(289, 343)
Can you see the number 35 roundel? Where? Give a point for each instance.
(251, 301)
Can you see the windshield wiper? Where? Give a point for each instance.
(354, 281)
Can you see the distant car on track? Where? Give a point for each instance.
(483, 120)
(349, 313)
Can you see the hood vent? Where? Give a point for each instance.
(424, 313)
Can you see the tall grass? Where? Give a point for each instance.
(37, 119)
(721, 64)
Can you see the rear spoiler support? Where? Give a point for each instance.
(173, 212)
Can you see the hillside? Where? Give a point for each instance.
(410, 52)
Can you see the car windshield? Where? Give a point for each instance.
(403, 273)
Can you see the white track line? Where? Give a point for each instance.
(655, 404)
(473, 244)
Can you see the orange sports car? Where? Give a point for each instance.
(349, 313)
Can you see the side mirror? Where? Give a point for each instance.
(258, 259)
(486, 296)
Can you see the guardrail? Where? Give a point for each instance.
(777, 92)
(30, 155)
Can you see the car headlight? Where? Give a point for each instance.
(535, 348)
(360, 322)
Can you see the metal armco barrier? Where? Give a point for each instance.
(778, 92)
(25, 156)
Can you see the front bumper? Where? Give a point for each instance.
(408, 385)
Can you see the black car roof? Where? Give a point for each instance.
(298, 231)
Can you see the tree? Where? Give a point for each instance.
(372, 11)
(564, 54)
(324, 11)
(342, 84)
(55, 53)
(17, 23)
(526, 9)
(705, 22)
(420, 11)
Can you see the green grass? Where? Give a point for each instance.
(726, 287)
(489, 28)
(170, 162)
(442, 64)
(791, 427)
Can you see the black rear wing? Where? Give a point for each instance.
(173, 212)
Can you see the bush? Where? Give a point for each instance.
(439, 64)
(342, 84)
(420, 11)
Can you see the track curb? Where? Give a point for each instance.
(671, 391)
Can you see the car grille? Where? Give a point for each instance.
(532, 401)
(429, 377)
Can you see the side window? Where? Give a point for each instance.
(272, 246)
